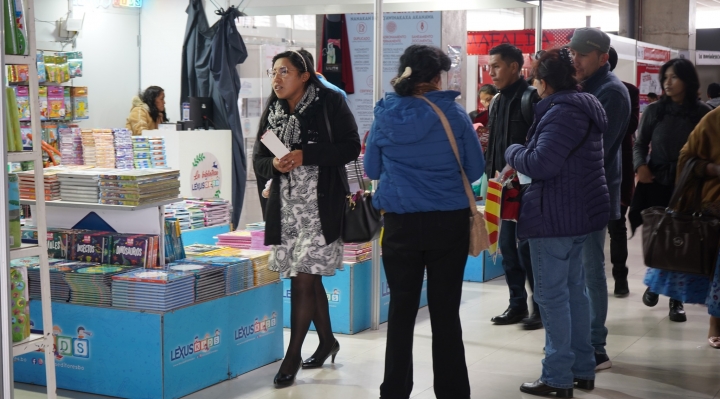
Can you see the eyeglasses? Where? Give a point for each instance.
(282, 71)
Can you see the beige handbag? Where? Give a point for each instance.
(479, 240)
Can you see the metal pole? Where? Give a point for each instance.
(538, 26)
(377, 95)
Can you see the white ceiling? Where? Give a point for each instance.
(294, 7)
(607, 5)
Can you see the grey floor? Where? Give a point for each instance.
(652, 356)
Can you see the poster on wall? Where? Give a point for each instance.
(401, 30)
(648, 76)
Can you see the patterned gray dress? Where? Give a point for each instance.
(303, 248)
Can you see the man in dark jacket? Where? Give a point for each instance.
(589, 48)
(618, 228)
(507, 126)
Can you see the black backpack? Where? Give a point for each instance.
(526, 104)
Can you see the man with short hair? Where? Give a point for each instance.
(652, 97)
(507, 125)
(713, 94)
(589, 48)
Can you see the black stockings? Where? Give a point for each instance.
(309, 303)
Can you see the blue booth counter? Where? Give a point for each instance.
(349, 297)
(142, 354)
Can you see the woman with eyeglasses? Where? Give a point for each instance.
(305, 206)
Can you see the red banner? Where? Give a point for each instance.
(653, 54)
(480, 43)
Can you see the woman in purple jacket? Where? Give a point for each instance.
(567, 199)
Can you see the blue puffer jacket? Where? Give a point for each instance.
(408, 150)
(568, 195)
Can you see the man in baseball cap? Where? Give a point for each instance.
(589, 49)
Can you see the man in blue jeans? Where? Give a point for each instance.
(590, 48)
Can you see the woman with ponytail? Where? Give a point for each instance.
(426, 217)
(567, 199)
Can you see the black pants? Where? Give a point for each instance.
(517, 265)
(618, 245)
(412, 242)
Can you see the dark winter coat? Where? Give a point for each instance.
(317, 149)
(568, 195)
(615, 99)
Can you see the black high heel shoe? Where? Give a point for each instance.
(314, 363)
(285, 380)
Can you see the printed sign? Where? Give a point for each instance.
(401, 30)
(653, 54)
(707, 57)
(205, 177)
(648, 82)
(481, 42)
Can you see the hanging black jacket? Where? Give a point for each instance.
(317, 149)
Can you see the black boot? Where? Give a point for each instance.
(511, 316)
(534, 322)
(650, 298)
(586, 385)
(677, 311)
(538, 388)
(622, 290)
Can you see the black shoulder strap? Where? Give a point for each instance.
(526, 104)
(327, 121)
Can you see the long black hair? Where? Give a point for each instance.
(148, 97)
(303, 65)
(685, 70)
(426, 63)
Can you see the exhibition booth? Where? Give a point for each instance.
(169, 352)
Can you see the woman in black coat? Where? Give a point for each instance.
(305, 207)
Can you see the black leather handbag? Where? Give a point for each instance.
(685, 242)
(361, 221)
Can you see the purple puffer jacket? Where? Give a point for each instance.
(568, 195)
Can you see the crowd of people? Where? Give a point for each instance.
(573, 136)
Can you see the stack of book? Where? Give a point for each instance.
(239, 273)
(216, 211)
(124, 156)
(356, 253)
(195, 250)
(240, 239)
(260, 260)
(209, 280)
(156, 290)
(88, 142)
(104, 148)
(80, 185)
(139, 186)
(93, 285)
(52, 184)
(71, 147)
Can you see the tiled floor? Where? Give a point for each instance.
(653, 357)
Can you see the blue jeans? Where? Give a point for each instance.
(593, 259)
(560, 292)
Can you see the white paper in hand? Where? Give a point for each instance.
(273, 143)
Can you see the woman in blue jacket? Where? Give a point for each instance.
(426, 219)
(567, 199)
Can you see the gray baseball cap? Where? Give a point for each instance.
(587, 40)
